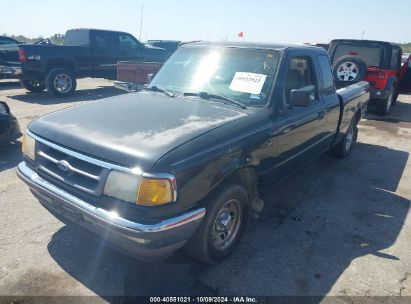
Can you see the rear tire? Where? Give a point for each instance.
(384, 106)
(343, 148)
(222, 226)
(35, 86)
(61, 82)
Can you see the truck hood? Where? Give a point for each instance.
(135, 129)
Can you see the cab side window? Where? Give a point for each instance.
(300, 74)
(127, 41)
(103, 40)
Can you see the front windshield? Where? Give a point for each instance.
(244, 75)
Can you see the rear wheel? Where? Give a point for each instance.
(384, 106)
(343, 148)
(35, 86)
(61, 82)
(222, 226)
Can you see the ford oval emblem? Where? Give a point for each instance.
(63, 166)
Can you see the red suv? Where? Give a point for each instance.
(377, 62)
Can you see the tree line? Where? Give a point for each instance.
(406, 47)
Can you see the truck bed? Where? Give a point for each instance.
(352, 98)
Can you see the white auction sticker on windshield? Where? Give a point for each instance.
(248, 82)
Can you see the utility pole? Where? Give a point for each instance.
(362, 37)
(141, 21)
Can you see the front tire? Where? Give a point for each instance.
(35, 86)
(222, 226)
(61, 82)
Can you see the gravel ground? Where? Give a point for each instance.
(337, 227)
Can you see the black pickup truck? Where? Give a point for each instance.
(180, 163)
(85, 53)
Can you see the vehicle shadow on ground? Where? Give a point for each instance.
(315, 224)
(10, 155)
(45, 98)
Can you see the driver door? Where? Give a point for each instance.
(300, 129)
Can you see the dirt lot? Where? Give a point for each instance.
(338, 227)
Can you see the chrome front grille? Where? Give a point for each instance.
(73, 171)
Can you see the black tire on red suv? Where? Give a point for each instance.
(349, 69)
(384, 105)
(396, 94)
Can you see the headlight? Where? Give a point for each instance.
(146, 191)
(28, 147)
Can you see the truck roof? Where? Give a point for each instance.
(93, 29)
(255, 45)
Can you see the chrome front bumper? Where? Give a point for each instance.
(140, 240)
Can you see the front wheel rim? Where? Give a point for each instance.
(227, 225)
(63, 83)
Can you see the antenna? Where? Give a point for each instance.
(141, 21)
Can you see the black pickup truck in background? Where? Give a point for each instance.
(84, 53)
(180, 163)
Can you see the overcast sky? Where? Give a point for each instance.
(260, 20)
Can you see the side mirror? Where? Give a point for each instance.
(149, 78)
(302, 97)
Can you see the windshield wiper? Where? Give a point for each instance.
(205, 95)
(158, 89)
